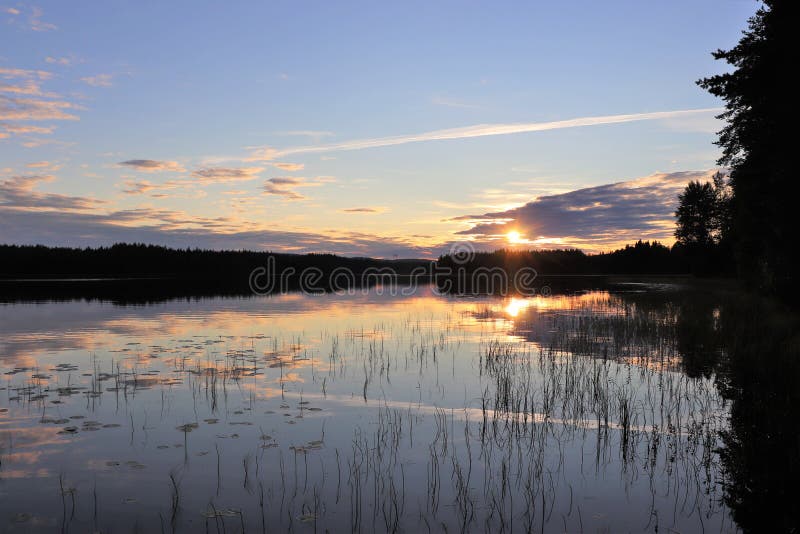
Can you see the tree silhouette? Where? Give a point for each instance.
(757, 146)
(704, 213)
(724, 208)
(696, 215)
(703, 226)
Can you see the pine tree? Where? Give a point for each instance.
(757, 144)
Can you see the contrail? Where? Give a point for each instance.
(478, 130)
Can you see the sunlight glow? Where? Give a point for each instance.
(514, 237)
(516, 305)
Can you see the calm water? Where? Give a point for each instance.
(365, 412)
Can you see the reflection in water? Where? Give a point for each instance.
(595, 410)
(514, 306)
(761, 448)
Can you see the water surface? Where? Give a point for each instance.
(587, 411)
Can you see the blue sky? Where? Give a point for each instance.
(214, 108)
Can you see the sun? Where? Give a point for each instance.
(515, 306)
(514, 237)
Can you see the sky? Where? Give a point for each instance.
(359, 128)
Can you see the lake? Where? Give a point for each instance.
(599, 409)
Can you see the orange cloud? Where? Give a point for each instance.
(225, 174)
(290, 167)
(151, 165)
(363, 210)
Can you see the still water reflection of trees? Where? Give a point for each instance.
(751, 348)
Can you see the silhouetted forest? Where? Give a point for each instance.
(137, 273)
(151, 261)
(38, 272)
(643, 257)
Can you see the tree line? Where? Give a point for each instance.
(152, 261)
(755, 222)
(642, 257)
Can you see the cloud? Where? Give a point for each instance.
(289, 167)
(284, 185)
(36, 22)
(64, 61)
(22, 99)
(17, 193)
(151, 165)
(28, 216)
(200, 177)
(594, 218)
(286, 181)
(26, 128)
(263, 154)
(225, 174)
(12, 11)
(48, 165)
(140, 187)
(277, 186)
(27, 87)
(23, 86)
(33, 109)
(363, 210)
(176, 229)
(479, 130)
(11, 73)
(35, 142)
(98, 80)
